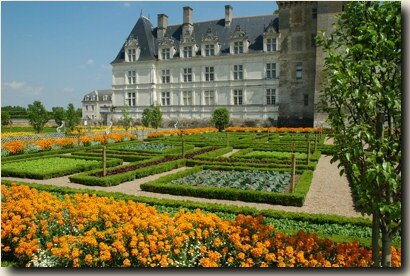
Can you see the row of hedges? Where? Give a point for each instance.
(112, 180)
(162, 185)
(56, 171)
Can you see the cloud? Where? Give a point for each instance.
(24, 88)
(127, 4)
(89, 61)
(15, 85)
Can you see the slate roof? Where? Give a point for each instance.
(100, 94)
(253, 26)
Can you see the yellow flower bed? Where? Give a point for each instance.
(187, 131)
(85, 230)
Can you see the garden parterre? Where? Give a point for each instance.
(39, 229)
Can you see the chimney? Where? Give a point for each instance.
(187, 15)
(162, 25)
(228, 15)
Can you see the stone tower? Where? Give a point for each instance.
(297, 62)
(326, 17)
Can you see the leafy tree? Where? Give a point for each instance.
(362, 97)
(220, 118)
(152, 117)
(146, 117)
(58, 115)
(5, 118)
(126, 119)
(73, 118)
(156, 116)
(37, 115)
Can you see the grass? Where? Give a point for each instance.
(7, 129)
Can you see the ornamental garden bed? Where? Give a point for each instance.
(129, 172)
(156, 148)
(53, 166)
(237, 183)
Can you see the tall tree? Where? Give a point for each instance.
(73, 118)
(37, 115)
(156, 116)
(126, 119)
(146, 117)
(5, 118)
(220, 118)
(362, 97)
(58, 114)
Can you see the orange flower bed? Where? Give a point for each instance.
(14, 147)
(275, 129)
(45, 144)
(187, 131)
(85, 230)
(65, 142)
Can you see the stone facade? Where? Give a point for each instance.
(264, 68)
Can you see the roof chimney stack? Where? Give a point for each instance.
(228, 15)
(162, 25)
(187, 15)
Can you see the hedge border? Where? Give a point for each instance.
(297, 198)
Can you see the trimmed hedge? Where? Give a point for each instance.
(162, 185)
(57, 172)
(215, 153)
(112, 180)
(126, 157)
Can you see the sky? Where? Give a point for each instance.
(56, 52)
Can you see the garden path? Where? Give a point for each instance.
(233, 151)
(329, 192)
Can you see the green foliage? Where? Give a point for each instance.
(363, 99)
(73, 118)
(255, 180)
(152, 117)
(15, 111)
(5, 118)
(146, 117)
(58, 114)
(220, 118)
(37, 115)
(127, 120)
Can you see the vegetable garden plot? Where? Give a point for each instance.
(268, 181)
(54, 166)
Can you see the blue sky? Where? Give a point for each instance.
(56, 52)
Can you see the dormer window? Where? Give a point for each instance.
(239, 41)
(132, 50)
(166, 54)
(187, 51)
(270, 39)
(238, 47)
(166, 48)
(209, 44)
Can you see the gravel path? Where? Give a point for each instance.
(329, 193)
(233, 151)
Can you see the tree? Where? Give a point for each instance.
(362, 97)
(152, 116)
(58, 115)
(220, 118)
(146, 117)
(126, 119)
(37, 115)
(156, 116)
(5, 118)
(72, 117)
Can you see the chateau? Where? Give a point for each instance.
(264, 68)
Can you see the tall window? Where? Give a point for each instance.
(271, 70)
(209, 50)
(187, 51)
(187, 74)
(132, 79)
(132, 99)
(237, 97)
(209, 73)
(298, 71)
(166, 54)
(165, 98)
(238, 72)
(314, 13)
(271, 44)
(270, 96)
(187, 97)
(209, 97)
(305, 99)
(238, 47)
(132, 54)
(165, 76)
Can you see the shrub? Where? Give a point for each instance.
(220, 118)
